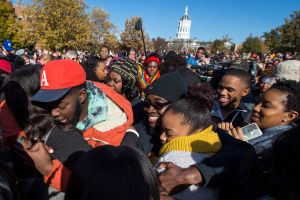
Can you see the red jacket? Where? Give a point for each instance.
(58, 177)
(114, 136)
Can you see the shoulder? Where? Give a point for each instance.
(66, 140)
(183, 159)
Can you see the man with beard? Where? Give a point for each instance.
(234, 85)
(102, 115)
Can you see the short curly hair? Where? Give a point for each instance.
(292, 89)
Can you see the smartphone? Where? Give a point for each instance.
(251, 131)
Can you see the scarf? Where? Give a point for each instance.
(97, 107)
(205, 141)
(147, 80)
(269, 135)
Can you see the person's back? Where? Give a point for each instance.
(273, 175)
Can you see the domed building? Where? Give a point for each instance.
(183, 41)
(184, 26)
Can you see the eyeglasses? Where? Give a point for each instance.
(156, 105)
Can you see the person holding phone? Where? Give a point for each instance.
(277, 112)
(234, 85)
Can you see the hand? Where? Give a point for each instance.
(39, 153)
(175, 176)
(237, 133)
(226, 126)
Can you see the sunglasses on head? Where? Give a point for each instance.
(156, 105)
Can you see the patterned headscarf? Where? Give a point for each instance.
(126, 68)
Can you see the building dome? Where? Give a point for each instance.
(185, 16)
(184, 26)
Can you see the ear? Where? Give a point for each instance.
(83, 96)
(245, 91)
(291, 115)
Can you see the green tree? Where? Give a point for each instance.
(9, 25)
(218, 46)
(59, 24)
(285, 37)
(25, 30)
(131, 38)
(112, 42)
(252, 44)
(103, 29)
(290, 33)
(272, 40)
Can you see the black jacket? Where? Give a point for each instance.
(239, 117)
(67, 146)
(218, 169)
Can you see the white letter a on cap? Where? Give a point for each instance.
(44, 81)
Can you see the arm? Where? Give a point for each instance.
(131, 139)
(212, 171)
(218, 168)
(64, 148)
(175, 176)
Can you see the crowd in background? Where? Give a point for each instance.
(139, 125)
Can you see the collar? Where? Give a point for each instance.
(269, 135)
(97, 107)
(216, 111)
(206, 141)
(278, 129)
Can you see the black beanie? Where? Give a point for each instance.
(170, 86)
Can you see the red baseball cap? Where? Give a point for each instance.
(57, 78)
(5, 66)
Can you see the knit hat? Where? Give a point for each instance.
(126, 68)
(170, 86)
(289, 70)
(57, 79)
(152, 58)
(5, 66)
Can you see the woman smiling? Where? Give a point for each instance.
(277, 112)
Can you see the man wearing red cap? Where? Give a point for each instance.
(94, 108)
(150, 73)
(103, 115)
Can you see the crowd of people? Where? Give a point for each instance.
(136, 125)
